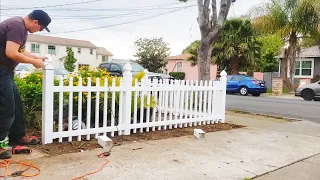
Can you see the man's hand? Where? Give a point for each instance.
(38, 63)
(42, 57)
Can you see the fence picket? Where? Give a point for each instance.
(60, 123)
(148, 104)
(80, 108)
(70, 108)
(97, 106)
(171, 103)
(205, 100)
(160, 103)
(210, 100)
(113, 110)
(89, 108)
(191, 103)
(135, 108)
(196, 103)
(105, 106)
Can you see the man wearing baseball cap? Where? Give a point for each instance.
(13, 37)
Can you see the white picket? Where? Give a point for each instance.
(89, 108)
(79, 108)
(70, 108)
(105, 106)
(60, 123)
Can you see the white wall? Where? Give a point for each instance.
(99, 61)
(83, 58)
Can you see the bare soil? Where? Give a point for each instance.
(57, 148)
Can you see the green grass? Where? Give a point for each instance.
(284, 90)
(247, 179)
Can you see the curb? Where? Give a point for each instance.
(289, 119)
(257, 176)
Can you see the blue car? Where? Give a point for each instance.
(245, 85)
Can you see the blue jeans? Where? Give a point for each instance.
(11, 107)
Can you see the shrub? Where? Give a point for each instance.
(178, 75)
(30, 89)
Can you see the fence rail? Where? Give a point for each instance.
(84, 111)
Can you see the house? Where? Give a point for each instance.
(180, 64)
(307, 64)
(86, 53)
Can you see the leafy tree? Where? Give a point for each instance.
(192, 49)
(311, 41)
(152, 53)
(271, 45)
(236, 49)
(291, 18)
(69, 61)
(210, 24)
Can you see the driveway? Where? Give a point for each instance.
(291, 108)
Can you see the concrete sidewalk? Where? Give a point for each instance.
(266, 145)
(302, 170)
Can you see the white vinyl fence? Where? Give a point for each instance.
(127, 108)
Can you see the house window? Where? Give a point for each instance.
(35, 48)
(91, 51)
(304, 68)
(51, 49)
(104, 59)
(179, 66)
(79, 50)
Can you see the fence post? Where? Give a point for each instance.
(127, 98)
(145, 77)
(47, 104)
(223, 80)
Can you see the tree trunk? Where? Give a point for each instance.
(234, 67)
(209, 30)
(204, 57)
(290, 57)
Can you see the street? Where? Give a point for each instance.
(291, 108)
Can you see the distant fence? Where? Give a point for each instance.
(126, 108)
(268, 76)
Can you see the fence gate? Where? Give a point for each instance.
(124, 106)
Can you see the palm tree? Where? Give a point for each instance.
(236, 49)
(290, 18)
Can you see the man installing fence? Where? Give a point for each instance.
(13, 37)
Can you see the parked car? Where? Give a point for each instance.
(245, 85)
(22, 70)
(116, 69)
(309, 92)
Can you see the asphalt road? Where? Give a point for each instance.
(290, 108)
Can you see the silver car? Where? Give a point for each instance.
(309, 92)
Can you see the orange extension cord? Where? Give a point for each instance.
(6, 163)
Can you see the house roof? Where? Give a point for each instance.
(60, 41)
(179, 57)
(310, 52)
(103, 51)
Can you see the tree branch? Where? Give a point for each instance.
(224, 10)
(203, 15)
(213, 20)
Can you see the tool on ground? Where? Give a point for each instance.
(21, 150)
(4, 143)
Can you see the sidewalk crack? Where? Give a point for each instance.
(240, 168)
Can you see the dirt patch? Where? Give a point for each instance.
(57, 148)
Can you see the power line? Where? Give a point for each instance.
(128, 22)
(88, 16)
(86, 9)
(59, 5)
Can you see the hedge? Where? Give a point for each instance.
(178, 75)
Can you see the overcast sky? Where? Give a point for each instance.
(176, 26)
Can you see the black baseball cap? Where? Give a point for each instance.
(43, 18)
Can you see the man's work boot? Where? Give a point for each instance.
(26, 140)
(4, 153)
